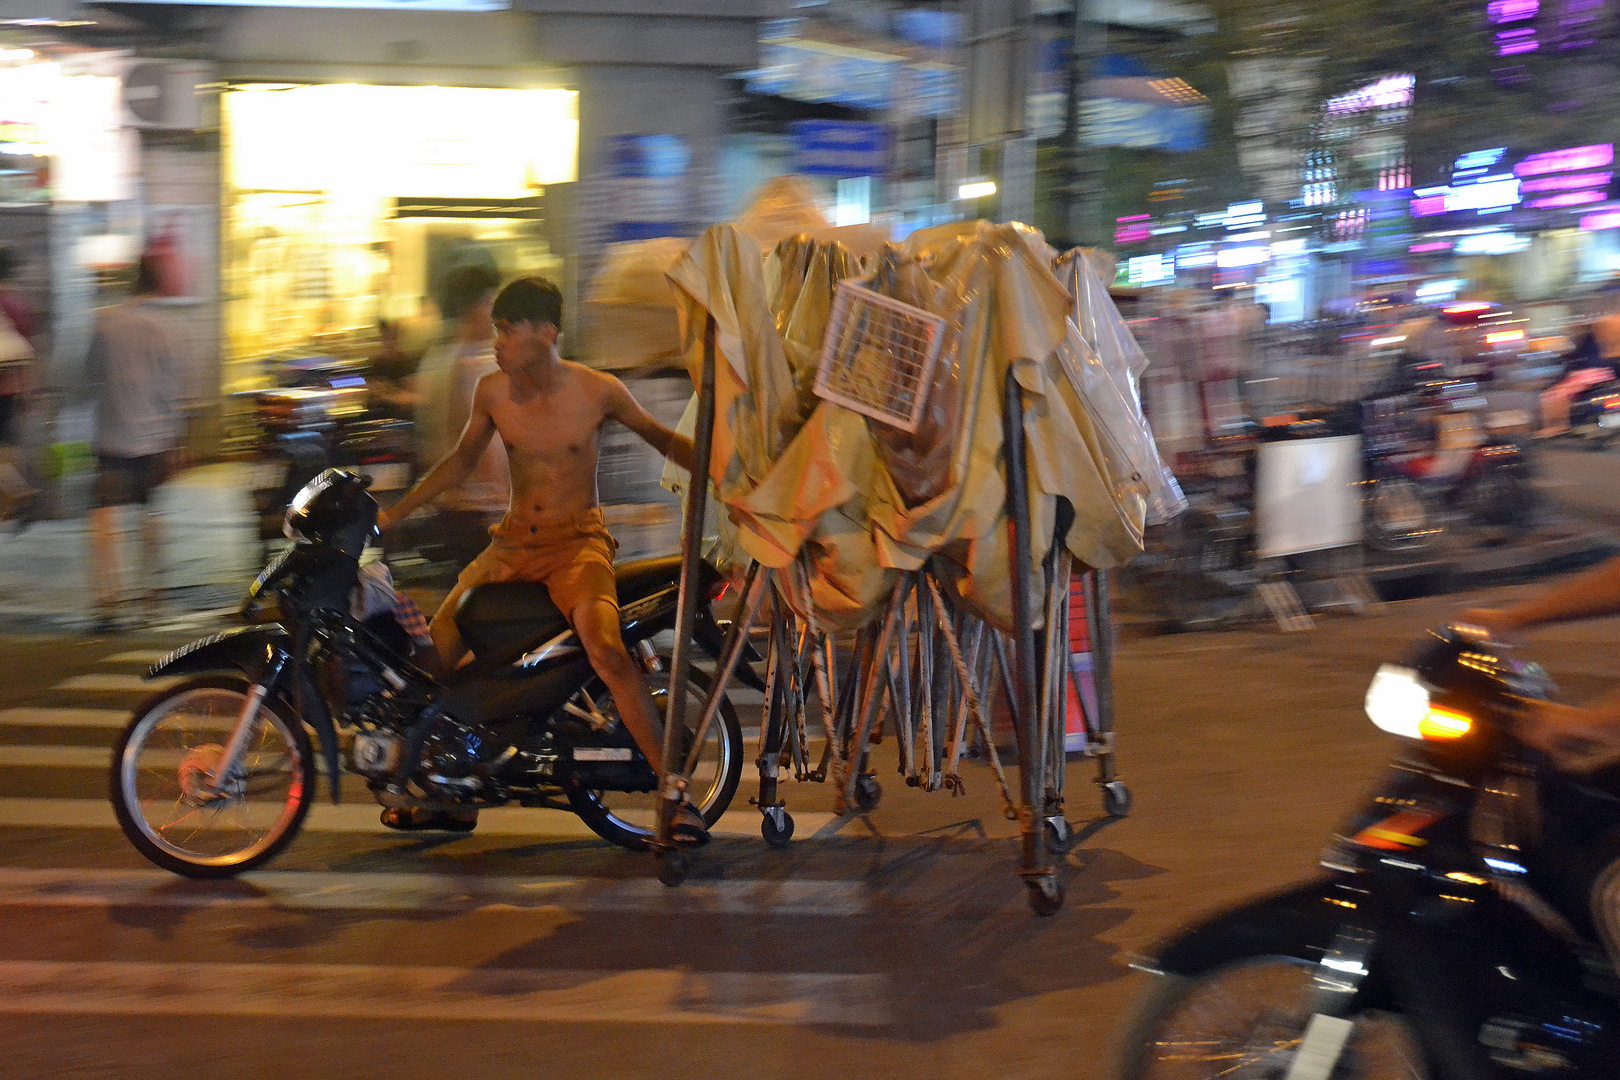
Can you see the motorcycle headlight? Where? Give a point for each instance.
(1398, 702)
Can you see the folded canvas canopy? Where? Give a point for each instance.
(858, 501)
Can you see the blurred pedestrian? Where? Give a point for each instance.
(20, 340)
(391, 372)
(445, 386)
(137, 379)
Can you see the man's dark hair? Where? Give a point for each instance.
(465, 286)
(148, 277)
(8, 262)
(530, 300)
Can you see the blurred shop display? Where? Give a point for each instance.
(349, 203)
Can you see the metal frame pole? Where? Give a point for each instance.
(1044, 891)
(672, 787)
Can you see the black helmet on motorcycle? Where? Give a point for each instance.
(334, 509)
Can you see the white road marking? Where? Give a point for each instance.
(58, 757)
(362, 818)
(1319, 1050)
(135, 656)
(106, 682)
(296, 889)
(68, 718)
(648, 996)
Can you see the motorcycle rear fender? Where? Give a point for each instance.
(712, 640)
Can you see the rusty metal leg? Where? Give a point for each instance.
(730, 654)
(672, 785)
(1116, 796)
(875, 695)
(1045, 894)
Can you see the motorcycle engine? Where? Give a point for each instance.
(376, 753)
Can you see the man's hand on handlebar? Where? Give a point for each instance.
(1497, 623)
(1578, 740)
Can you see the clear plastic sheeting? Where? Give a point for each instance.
(1105, 363)
(855, 501)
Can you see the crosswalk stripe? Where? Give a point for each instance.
(58, 757)
(319, 890)
(362, 818)
(106, 682)
(135, 656)
(67, 718)
(648, 996)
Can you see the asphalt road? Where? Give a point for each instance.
(894, 944)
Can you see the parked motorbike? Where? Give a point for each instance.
(1594, 415)
(1437, 455)
(319, 417)
(1453, 936)
(215, 775)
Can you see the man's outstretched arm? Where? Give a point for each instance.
(628, 411)
(1585, 596)
(452, 469)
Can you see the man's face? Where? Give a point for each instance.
(519, 344)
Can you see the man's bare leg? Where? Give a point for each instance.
(151, 558)
(597, 625)
(106, 575)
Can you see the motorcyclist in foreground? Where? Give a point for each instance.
(1582, 740)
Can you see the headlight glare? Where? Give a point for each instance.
(1398, 702)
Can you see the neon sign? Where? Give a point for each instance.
(1388, 92)
(1574, 157)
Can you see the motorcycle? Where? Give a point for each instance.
(1452, 937)
(1594, 415)
(1465, 466)
(320, 417)
(215, 775)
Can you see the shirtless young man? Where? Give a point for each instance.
(548, 413)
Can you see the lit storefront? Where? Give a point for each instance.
(346, 203)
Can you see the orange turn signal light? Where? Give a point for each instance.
(1444, 724)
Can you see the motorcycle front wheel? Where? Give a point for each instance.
(629, 819)
(165, 796)
(1248, 1020)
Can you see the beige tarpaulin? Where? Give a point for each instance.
(628, 317)
(861, 500)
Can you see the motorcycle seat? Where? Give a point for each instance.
(499, 620)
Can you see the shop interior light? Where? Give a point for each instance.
(1503, 337)
(979, 189)
(384, 141)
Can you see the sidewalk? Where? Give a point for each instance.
(210, 556)
(211, 550)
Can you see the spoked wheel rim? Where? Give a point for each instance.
(167, 764)
(1247, 1023)
(712, 784)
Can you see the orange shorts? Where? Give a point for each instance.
(572, 558)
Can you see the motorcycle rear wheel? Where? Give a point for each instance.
(160, 763)
(1247, 1020)
(628, 818)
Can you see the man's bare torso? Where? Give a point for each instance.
(551, 438)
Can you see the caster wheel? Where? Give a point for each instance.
(776, 827)
(1046, 896)
(1116, 798)
(673, 867)
(1060, 835)
(868, 793)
